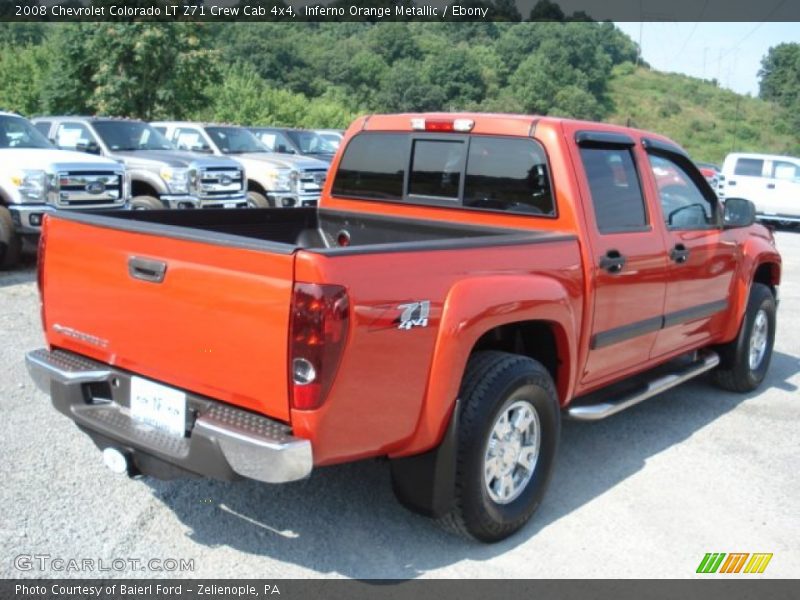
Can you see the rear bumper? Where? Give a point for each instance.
(221, 441)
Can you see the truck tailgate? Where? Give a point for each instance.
(217, 324)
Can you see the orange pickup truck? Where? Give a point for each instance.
(466, 281)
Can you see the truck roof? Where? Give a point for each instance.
(84, 118)
(494, 123)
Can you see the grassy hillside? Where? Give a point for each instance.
(708, 121)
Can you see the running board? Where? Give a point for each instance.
(594, 412)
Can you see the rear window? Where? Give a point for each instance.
(752, 167)
(436, 168)
(373, 166)
(477, 172)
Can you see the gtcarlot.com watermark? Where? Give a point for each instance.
(60, 564)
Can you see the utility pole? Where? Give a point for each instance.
(736, 123)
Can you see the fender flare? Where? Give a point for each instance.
(151, 179)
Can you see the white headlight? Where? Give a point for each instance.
(177, 179)
(31, 184)
(281, 179)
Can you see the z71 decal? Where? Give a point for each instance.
(415, 314)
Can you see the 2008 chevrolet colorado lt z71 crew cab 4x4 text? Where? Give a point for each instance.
(466, 279)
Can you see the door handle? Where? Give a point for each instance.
(613, 261)
(770, 186)
(680, 254)
(147, 269)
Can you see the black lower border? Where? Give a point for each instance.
(711, 587)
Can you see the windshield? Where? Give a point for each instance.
(16, 132)
(274, 140)
(235, 140)
(128, 136)
(311, 142)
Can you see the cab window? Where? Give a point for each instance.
(683, 203)
(615, 189)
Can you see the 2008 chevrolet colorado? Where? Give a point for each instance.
(466, 280)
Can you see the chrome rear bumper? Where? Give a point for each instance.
(220, 441)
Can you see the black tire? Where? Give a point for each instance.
(146, 203)
(493, 382)
(734, 372)
(10, 241)
(258, 200)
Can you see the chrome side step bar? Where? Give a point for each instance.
(595, 412)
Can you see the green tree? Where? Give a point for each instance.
(779, 76)
(23, 70)
(151, 71)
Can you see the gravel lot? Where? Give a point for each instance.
(644, 494)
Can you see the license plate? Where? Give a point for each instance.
(158, 406)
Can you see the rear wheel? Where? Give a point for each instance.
(10, 241)
(745, 360)
(257, 200)
(507, 438)
(146, 203)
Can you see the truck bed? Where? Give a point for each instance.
(318, 230)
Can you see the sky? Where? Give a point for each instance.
(728, 52)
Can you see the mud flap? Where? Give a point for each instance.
(425, 483)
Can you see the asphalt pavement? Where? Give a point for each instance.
(644, 494)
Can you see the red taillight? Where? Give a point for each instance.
(40, 268)
(317, 334)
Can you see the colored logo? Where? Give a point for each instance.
(736, 562)
(96, 187)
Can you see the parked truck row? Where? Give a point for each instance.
(81, 163)
(466, 281)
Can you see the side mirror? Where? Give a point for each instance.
(739, 213)
(90, 147)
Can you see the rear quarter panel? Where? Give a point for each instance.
(395, 389)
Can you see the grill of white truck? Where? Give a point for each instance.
(220, 182)
(79, 189)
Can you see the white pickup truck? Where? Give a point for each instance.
(272, 179)
(36, 178)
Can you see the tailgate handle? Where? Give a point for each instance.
(147, 269)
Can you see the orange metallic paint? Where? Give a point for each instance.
(218, 324)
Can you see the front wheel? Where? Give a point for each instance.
(10, 241)
(744, 361)
(146, 203)
(257, 200)
(508, 432)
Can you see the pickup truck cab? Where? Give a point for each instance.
(771, 182)
(37, 178)
(467, 280)
(272, 179)
(161, 176)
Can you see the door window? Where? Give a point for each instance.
(71, 135)
(616, 192)
(191, 140)
(749, 167)
(682, 202)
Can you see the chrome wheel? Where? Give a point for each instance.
(758, 339)
(511, 451)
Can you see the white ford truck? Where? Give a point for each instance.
(37, 178)
(273, 179)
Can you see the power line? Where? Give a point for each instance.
(754, 29)
(691, 33)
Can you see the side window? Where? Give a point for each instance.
(71, 135)
(508, 174)
(614, 185)
(682, 202)
(44, 128)
(373, 166)
(782, 169)
(190, 139)
(436, 168)
(749, 167)
(162, 129)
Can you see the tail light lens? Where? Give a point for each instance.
(40, 268)
(318, 331)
